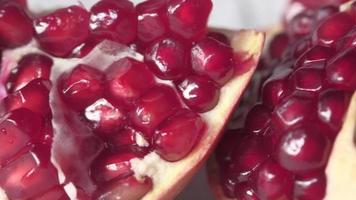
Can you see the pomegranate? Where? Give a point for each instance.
(115, 102)
(295, 134)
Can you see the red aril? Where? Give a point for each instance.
(112, 120)
(59, 32)
(114, 20)
(15, 26)
(30, 67)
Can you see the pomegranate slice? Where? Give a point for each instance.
(299, 142)
(120, 101)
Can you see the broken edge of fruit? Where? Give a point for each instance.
(343, 157)
(247, 45)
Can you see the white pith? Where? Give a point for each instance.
(164, 174)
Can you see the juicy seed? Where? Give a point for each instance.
(332, 29)
(332, 105)
(111, 166)
(129, 189)
(176, 136)
(114, 20)
(303, 150)
(61, 31)
(29, 175)
(15, 26)
(271, 182)
(300, 25)
(310, 187)
(168, 59)
(308, 79)
(104, 117)
(81, 87)
(34, 96)
(30, 67)
(341, 72)
(257, 120)
(152, 20)
(153, 107)
(18, 128)
(244, 191)
(213, 59)
(188, 19)
(200, 93)
(292, 112)
(128, 79)
(315, 54)
(250, 153)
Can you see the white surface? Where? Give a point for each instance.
(233, 14)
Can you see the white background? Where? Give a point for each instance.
(233, 14)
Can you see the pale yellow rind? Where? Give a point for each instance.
(341, 169)
(248, 43)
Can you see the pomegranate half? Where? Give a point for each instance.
(116, 102)
(295, 134)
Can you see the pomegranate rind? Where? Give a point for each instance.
(247, 45)
(340, 171)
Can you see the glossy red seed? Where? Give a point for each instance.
(18, 129)
(303, 150)
(293, 111)
(247, 156)
(341, 71)
(112, 165)
(244, 191)
(278, 45)
(189, 19)
(34, 96)
(105, 118)
(15, 26)
(308, 79)
(30, 67)
(127, 79)
(275, 88)
(29, 175)
(315, 54)
(333, 29)
(213, 59)
(129, 189)
(310, 187)
(114, 20)
(272, 182)
(258, 119)
(175, 138)
(61, 31)
(81, 87)
(154, 107)
(227, 183)
(152, 20)
(129, 137)
(332, 105)
(168, 59)
(201, 94)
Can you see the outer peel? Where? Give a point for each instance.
(247, 45)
